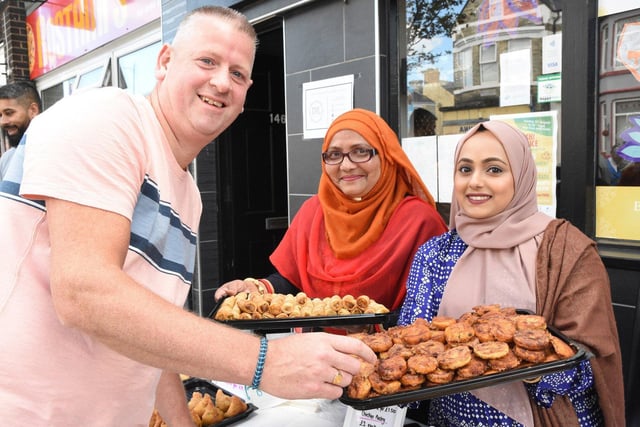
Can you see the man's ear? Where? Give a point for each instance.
(164, 56)
(33, 110)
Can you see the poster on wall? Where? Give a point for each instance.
(541, 129)
(618, 206)
(323, 101)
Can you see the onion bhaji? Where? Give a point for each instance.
(484, 341)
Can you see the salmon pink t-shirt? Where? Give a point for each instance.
(102, 148)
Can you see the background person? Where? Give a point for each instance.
(19, 104)
(357, 236)
(99, 257)
(501, 249)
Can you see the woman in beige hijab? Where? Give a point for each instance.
(501, 249)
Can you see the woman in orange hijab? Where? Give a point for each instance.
(357, 236)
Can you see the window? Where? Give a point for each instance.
(95, 77)
(127, 62)
(457, 75)
(622, 111)
(136, 69)
(464, 69)
(54, 93)
(605, 63)
(519, 44)
(618, 26)
(488, 64)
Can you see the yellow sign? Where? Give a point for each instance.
(618, 212)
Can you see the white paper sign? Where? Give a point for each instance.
(323, 101)
(422, 151)
(389, 416)
(552, 54)
(515, 78)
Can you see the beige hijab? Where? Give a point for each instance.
(499, 264)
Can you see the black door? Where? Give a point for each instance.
(253, 170)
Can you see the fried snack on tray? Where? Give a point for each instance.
(254, 305)
(206, 410)
(487, 340)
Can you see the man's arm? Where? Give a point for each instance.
(92, 293)
(171, 401)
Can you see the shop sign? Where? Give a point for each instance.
(62, 31)
(550, 88)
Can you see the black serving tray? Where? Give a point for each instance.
(430, 392)
(192, 385)
(385, 319)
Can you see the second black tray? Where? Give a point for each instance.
(192, 385)
(430, 392)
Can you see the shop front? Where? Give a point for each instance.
(567, 73)
(434, 69)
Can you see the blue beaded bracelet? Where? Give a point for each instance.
(257, 376)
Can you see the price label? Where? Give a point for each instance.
(389, 416)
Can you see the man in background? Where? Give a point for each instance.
(19, 103)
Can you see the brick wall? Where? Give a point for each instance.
(14, 38)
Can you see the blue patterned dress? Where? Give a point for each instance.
(427, 279)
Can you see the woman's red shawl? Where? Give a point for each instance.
(305, 258)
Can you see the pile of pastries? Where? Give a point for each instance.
(206, 410)
(254, 305)
(486, 340)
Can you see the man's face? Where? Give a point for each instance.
(204, 77)
(14, 119)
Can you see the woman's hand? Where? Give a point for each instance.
(234, 287)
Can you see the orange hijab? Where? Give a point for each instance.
(352, 226)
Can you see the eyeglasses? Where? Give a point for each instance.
(357, 155)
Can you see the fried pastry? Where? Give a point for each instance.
(441, 322)
(532, 356)
(502, 329)
(530, 321)
(378, 342)
(491, 349)
(482, 330)
(474, 368)
(392, 368)
(440, 376)
(486, 308)
(398, 350)
(509, 361)
(531, 339)
(487, 340)
(454, 358)
(360, 387)
(429, 348)
(416, 333)
(236, 407)
(458, 333)
(412, 381)
(254, 305)
(422, 364)
(561, 348)
(384, 387)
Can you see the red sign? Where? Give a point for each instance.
(62, 31)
